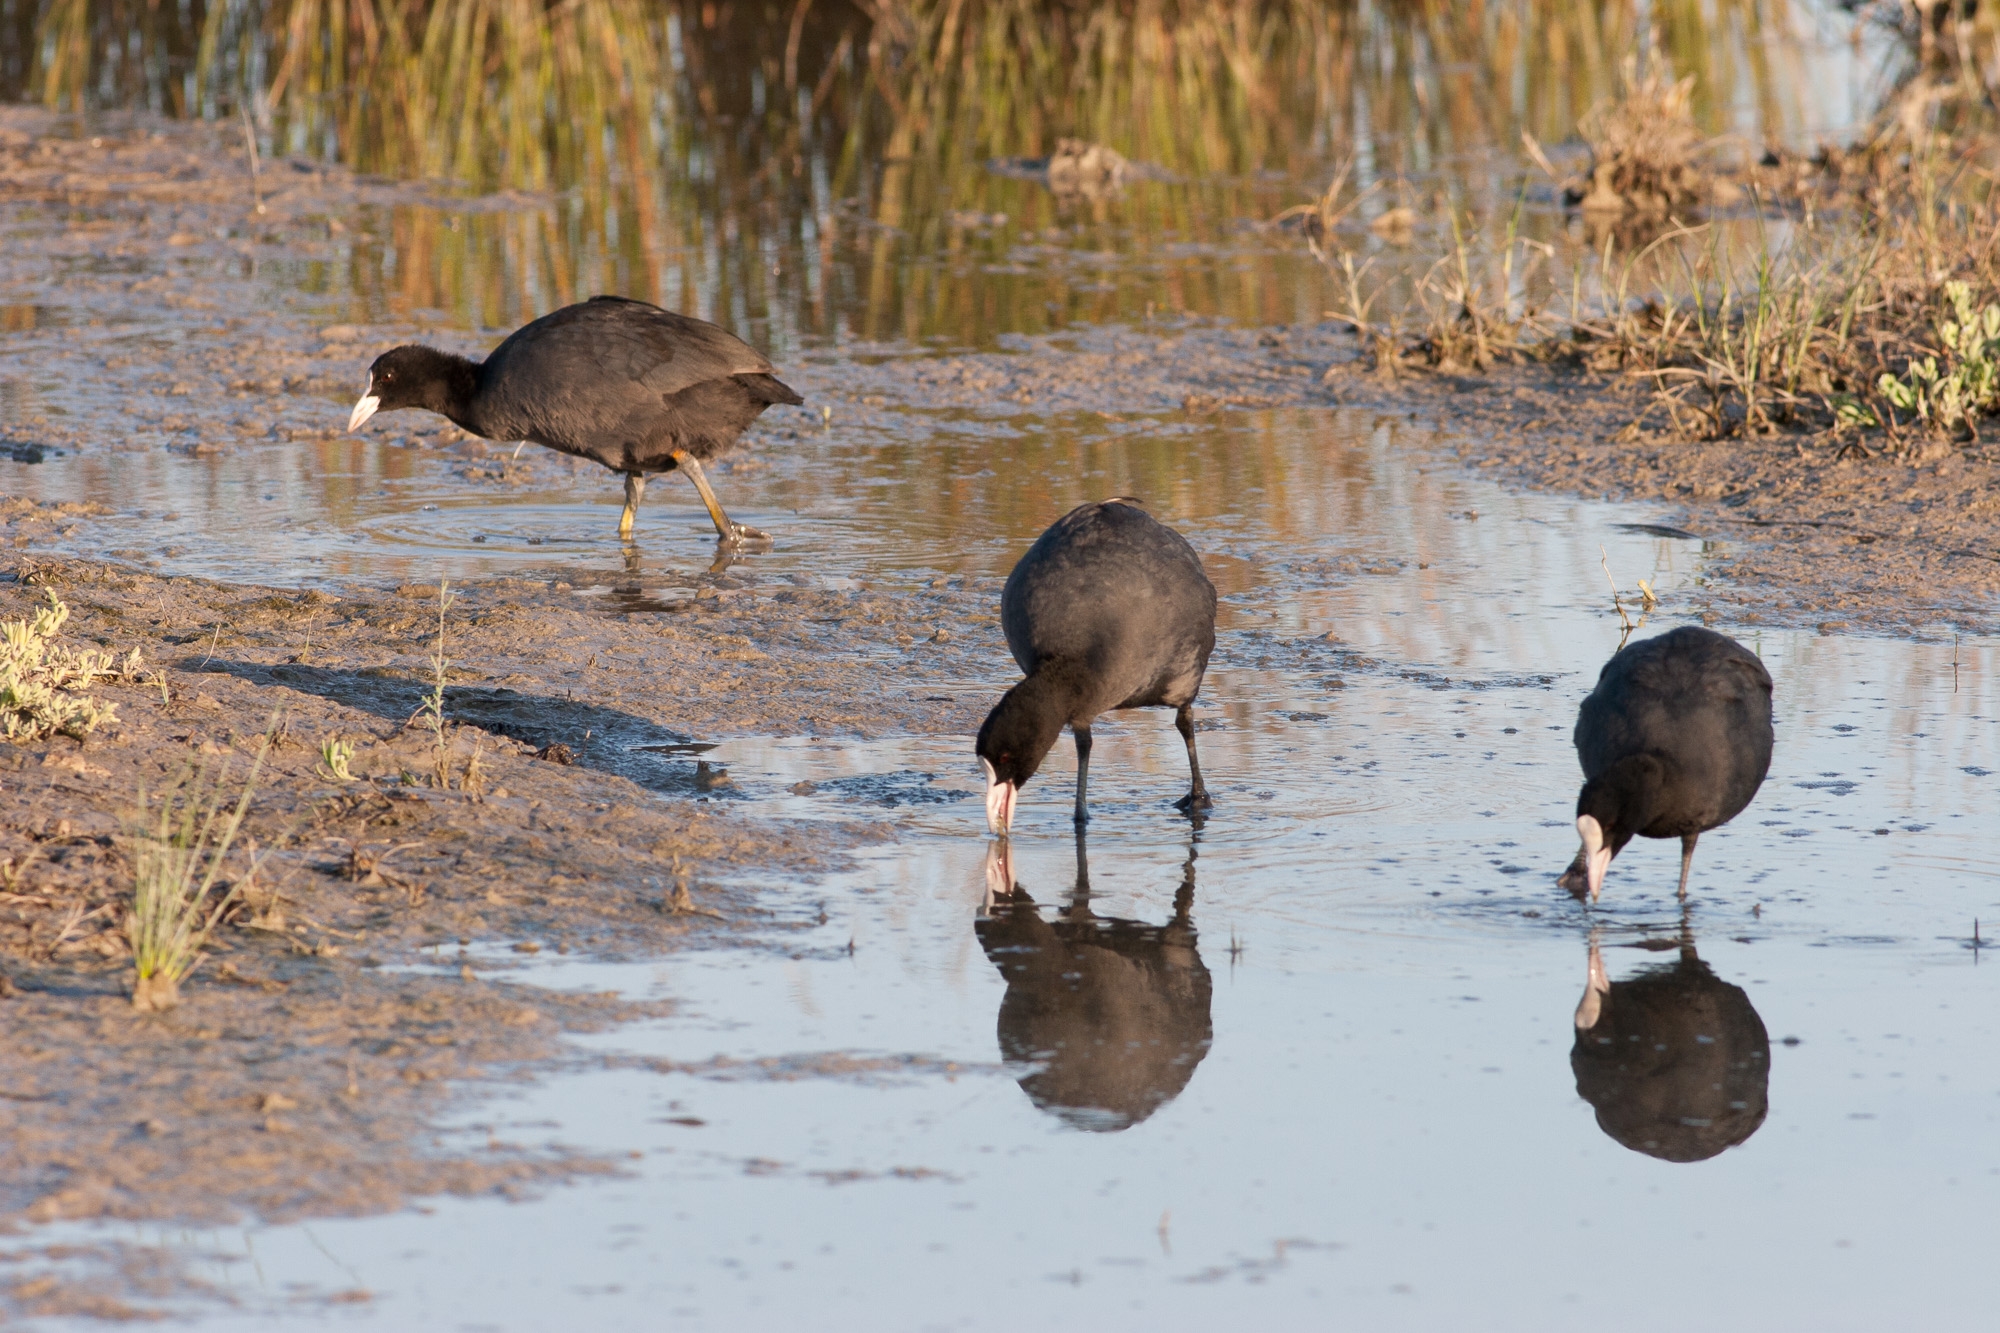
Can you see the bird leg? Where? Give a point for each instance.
(1082, 735)
(726, 529)
(1687, 859)
(1197, 797)
(635, 486)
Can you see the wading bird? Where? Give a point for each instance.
(1108, 609)
(627, 384)
(1674, 741)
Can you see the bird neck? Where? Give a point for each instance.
(1056, 691)
(1624, 797)
(1024, 726)
(452, 390)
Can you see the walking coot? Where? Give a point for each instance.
(1674, 741)
(637, 388)
(1108, 609)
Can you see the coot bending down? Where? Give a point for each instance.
(1108, 609)
(1674, 741)
(637, 388)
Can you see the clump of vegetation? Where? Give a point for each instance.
(1953, 396)
(432, 711)
(334, 756)
(1646, 151)
(1871, 320)
(430, 715)
(45, 687)
(178, 849)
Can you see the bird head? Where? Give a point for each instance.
(1016, 736)
(1612, 807)
(414, 376)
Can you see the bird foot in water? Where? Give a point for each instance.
(741, 534)
(1576, 879)
(1194, 800)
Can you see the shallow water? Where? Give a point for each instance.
(1368, 1108)
(1353, 985)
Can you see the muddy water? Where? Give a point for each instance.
(1332, 1064)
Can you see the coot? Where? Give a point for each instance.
(1674, 741)
(1108, 609)
(637, 388)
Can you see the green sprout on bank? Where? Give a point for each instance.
(334, 756)
(177, 850)
(1951, 395)
(44, 687)
(431, 710)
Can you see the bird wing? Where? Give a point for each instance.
(640, 354)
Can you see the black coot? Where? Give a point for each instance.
(637, 388)
(1675, 1061)
(1674, 741)
(1110, 1017)
(1108, 609)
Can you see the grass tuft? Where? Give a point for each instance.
(1646, 150)
(432, 708)
(334, 756)
(178, 849)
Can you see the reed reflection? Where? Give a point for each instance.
(1674, 1059)
(1110, 1016)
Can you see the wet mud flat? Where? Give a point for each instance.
(164, 298)
(1876, 544)
(338, 1008)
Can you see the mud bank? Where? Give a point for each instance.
(337, 1009)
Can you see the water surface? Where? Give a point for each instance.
(1353, 985)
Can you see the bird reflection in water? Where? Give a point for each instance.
(1675, 1060)
(1112, 1015)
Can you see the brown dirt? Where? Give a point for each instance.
(295, 1077)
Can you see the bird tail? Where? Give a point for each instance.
(768, 389)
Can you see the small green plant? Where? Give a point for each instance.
(432, 708)
(1952, 395)
(178, 851)
(334, 754)
(44, 687)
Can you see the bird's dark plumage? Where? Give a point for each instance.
(1108, 609)
(1109, 1016)
(1674, 741)
(624, 383)
(1675, 1061)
